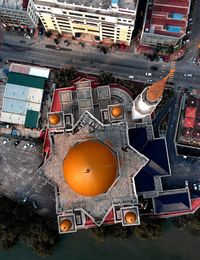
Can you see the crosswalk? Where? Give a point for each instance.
(172, 67)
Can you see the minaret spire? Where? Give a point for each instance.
(146, 102)
(155, 91)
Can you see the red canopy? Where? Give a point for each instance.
(190, 112)
(189, 122)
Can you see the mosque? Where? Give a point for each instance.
(98, 147)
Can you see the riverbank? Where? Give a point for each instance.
(173, 245)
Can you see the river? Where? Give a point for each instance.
(173, 245)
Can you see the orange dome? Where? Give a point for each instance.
(54, 119)
(90, 168)
(130, 217)
(65, 225)
(116, 111)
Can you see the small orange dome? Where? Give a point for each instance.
(130, 217)
(90, 168)
(54, 119)
(65, 225)
(116, 111)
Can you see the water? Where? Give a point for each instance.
(173, 245)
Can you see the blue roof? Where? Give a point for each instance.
(173, 29)
(115, 2)
(176, 16)
(173, 202)
(156, 151)
(138, 137)
(14, 106)
(144, 181)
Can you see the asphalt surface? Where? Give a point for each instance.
(16, 46)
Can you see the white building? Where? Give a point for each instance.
(113, 19)
(18, 13)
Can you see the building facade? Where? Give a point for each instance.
(18, 13)
(165, 23)
(103, 19)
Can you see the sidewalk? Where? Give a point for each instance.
(79, 44)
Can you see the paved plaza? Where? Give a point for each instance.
(18, 178)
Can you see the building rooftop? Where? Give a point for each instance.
(23, 96)
(102, 4)
(14, 4)
(123, 190)
(189, 122)
(167, 17)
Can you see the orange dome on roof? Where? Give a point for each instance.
(116, 111)
(130, 217)
(65, 225)
(54, 119)
(90, 168)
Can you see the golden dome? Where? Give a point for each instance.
(116, 111)
(54, 119)
(155, 91)
(65, 225)
(90, 168)
(130, 217)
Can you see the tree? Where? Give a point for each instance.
(19, 223)
(150, 228)
(59, 36)
(106, 78)
(48, 33)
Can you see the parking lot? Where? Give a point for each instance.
(18, 179)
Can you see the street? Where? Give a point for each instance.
(88, 59)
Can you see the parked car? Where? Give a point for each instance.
(186, 183)
(194, 60)
(32, 145)
(195, 186)
(34, 204)
(27, 36)
(131, 77)
(148, 74)
(187, 75)
(16, 143)
(149, 80)
(5, 141)
(198, 186)
(25, 199)
(26, 146)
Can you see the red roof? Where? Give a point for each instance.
(189, 122)
(190, 112)
(160, 16)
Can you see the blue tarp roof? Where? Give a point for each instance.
(174, 29)
(176, 16)
(172, 202)
(115, 2)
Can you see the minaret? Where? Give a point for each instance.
(146, 102)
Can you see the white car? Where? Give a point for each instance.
(198, 186)
(187, 75)
(149, 80)
(195, 186)
(186, 184)
(26, 146)
(32, 145)
(27, 36)
(148, 74)
(5, 141)
(194, 60)
(131, 77)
